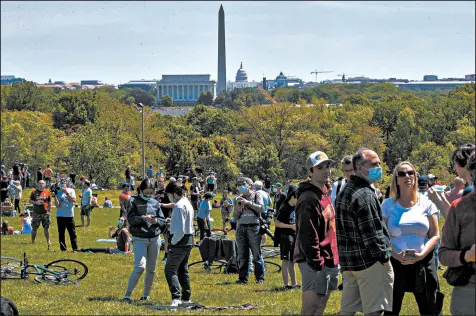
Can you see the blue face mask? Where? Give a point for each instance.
(375, 174)
(146, 196)
(120, 223)
(243, 189)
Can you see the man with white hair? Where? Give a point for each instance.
(258, 187)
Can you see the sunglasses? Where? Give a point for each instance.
(404, 173)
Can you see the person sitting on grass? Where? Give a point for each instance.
(122, 240)
(107, 203)
(25, 223)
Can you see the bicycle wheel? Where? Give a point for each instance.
(71, 269)
(217, 266)
(10, 268)
(272, 267)
(54, 280)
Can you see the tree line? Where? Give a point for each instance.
(98, 132)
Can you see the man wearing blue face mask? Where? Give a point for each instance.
(363, 240)
(249, 205)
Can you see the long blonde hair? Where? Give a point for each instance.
(395, 190)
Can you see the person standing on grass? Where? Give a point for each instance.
(166, 207)
(64, 201)
(226, 206)
(123, 199)
(41, 200)
(203, 216)
(146, 221)
(364, 241)
(180, 245)
(17, 189)
(39, 175)
(315, 251)
(48, 174)
(86, 196)
(285, 237)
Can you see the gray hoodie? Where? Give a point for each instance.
(244, 214)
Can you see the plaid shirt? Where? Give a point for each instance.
(362, 236)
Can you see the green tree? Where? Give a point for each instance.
(75, 108)
(166, 101)
(139, 96)
(25, 96)
(206, 98)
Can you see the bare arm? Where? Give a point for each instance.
(433, 235)
(439, 198)
(283, 225)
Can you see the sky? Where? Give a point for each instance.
(120, 41)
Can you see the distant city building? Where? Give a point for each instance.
(9, 80)
(282, 81)
(430, 78)
(241, 81)
(91, 82)
(146, 85)
(184, 89)
(430, 85)
(470, 77)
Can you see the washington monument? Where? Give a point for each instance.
(221, 80)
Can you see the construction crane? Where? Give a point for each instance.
(344, 74)
(320, 72)
(266, 94)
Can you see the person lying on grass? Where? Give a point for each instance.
(122, 239)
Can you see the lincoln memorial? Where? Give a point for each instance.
(184, 89)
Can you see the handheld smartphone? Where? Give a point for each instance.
(410, 253)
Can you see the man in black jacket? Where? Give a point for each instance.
(316, 243)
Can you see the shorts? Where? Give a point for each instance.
(44, 219)
(369, 290)
(211, 187)
(47, 179)
(286, 247)
(321, 282)
(225, 216)
(86, 210)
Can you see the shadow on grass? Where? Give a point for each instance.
(105, 299)
(276, 289)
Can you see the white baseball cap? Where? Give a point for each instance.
(316, 158)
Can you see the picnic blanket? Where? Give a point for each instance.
(196, 306)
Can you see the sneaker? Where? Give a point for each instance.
(164, 260)
(144, 298)
(187, 302)
(260, 282)
(297, 286)
(287, 287)
(240, 282)
(127, 300)
(176, 302)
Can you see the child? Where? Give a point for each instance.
(226, 205)
(107, 203)
(25, 223)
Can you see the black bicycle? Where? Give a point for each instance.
(220, 266)
(64, 271)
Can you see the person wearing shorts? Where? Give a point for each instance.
(316, 251)
(86, 197)
(41, 200)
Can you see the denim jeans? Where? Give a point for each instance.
(248, 237)
(146, 252)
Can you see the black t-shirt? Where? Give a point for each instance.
(267, 183)
(16, 169)
(195, 189)
(39, 175)
(286, 215)
(163, 198)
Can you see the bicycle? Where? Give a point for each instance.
(220, 266)
(64, 271)
(270, 252)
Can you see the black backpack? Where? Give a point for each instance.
(232, 266)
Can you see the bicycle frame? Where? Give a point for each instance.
(39, 269)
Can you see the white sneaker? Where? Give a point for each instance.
(187, 302)
(176, 302)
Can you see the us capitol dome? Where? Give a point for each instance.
(241, 75)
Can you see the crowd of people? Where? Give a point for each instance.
(383, 245)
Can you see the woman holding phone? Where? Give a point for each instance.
(412, 221)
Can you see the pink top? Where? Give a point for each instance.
(453, 195)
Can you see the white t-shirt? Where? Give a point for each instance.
(408, 227)
(334, 189)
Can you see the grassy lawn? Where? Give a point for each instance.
(100, 293)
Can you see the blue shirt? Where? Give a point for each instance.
(107, 203)
(150, 173)
(86, 194)
(205, 209)
(66, 207)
